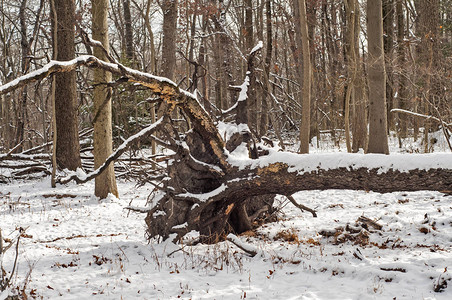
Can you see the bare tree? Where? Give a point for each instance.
(428, 59)
(128, 34)
(388, 42)
(378, 139)
(103, 141)
(169, 8)
(306, 94)
(402, 95)
(360, 99)
(350, 9)
(66, 104)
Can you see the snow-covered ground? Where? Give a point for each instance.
(77, 247)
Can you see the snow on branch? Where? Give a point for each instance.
(157, 84)
(258, 47)
(243, 96)
(22, 156)
(46, 71)
(398, 110)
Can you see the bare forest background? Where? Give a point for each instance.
(291, 71)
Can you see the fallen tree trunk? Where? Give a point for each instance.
(210, 212)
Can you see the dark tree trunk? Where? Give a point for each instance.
(388, 41)
(266, 84)
(428, 60)
(21, 113)
(359, 116)
(128, 30)
(169, 8)
(66, 113)
(402, 79)
(249, 42)
(225, 97)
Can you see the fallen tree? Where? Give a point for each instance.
(218, 177)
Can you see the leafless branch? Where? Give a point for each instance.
(121, 149)
(301, 206)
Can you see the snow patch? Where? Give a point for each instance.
(206, 196)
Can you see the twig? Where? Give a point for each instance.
(32, 169)
(17, 254)
(142, 210)
(301, 206)
(250, 250)
(14, 148)
(191, 243)
(93, 43)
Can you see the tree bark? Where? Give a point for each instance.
(252, 103)
(306, 93)
(428, 59)
(103, 141)
(21, 112)
(378, 139)
(402, 98)
(169, 8)
(128, 31)
(268, 59)
(388, 41)
(350, 10)
(359, 111)
(66, 112)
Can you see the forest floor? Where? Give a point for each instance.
(74, 246)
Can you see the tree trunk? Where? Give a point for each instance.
(223, 60)
(388, 41)
(378, 139)
(359, 111)
(147, 22)
(306, 94)
(128, 34)
(266, 84)
(428, 59)
(169, 8)
(350, 48)
(21, 112)
(66, 112)
(252, 105)
(402, 80)
(103, 142)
